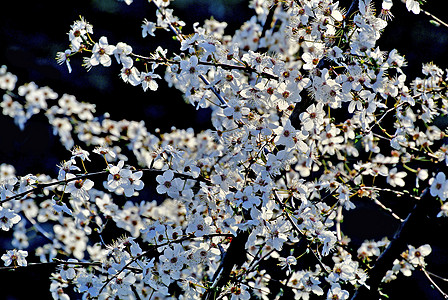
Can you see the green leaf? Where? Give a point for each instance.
(435, 23)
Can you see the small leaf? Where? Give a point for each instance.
(435, 23)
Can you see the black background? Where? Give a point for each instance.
(31, 32)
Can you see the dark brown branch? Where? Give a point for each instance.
(235, 256)
(267, 25)
(399, 243)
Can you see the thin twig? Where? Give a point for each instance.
(437, 276)
(377, 202)
(377, 122)
(351, 9)
(339, 218)
(243, 68)
(40, 186)
(435, 18)
(152, 247)
(213, 89)
(297, 229)
(55, 262)
(254, 263)
(39, 229)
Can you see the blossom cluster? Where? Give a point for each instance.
(411, 259)
(310, 118)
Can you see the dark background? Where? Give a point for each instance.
(31, 32)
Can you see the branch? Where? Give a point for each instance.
(440, 22)
(41, 186)
(55, 262)
(267, 25)
(352, 8)
(397, 245)
(235, 256)
(433, 283)
(153, 247)
(213, 89)
(243, 68)
(297, 229)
